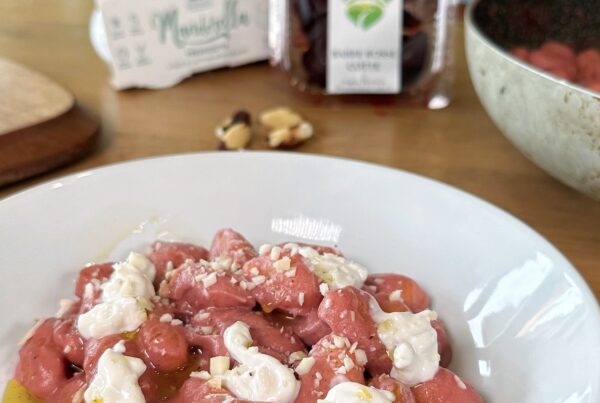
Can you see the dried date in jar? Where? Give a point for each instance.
(398, 49)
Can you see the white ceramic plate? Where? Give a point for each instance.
(524, 326)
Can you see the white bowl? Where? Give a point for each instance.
(554, 123)
(523, 324)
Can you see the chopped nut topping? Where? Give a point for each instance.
(264, 249)
(209, 280)
(215, 382)
(396, 295)
(219, 365)
(339, 342)
(296, 356)
(282, 264)
(257, 280)
(361, 356)
(305, 365)
(166, 317)
(206, 329)
(348, 363)
(275, 252)
(200, 374)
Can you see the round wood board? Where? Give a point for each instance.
(41, 125)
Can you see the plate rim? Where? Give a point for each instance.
(285, 155)
(72, 178)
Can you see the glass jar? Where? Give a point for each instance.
(384, 50)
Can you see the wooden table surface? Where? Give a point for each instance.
(458, 145)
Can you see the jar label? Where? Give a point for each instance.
(364, 46)
(157, 43)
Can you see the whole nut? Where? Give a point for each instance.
(236, 137)
(241, 116)
(291, 136)
(303, 131)
(235, 132)
(278, 118)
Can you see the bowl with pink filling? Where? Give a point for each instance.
(535, 66)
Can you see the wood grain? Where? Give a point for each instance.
(41, 127)
(28, 98)
(458, 145)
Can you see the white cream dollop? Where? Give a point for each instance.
(336, 271)
(116, 379)
(132, 278)
(352, 392)
(411, 341)
(122, 315)
(258, 377)
(125, 298)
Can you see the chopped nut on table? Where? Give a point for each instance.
(235, 133)
(285, 128)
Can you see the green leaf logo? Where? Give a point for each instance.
(365, 13)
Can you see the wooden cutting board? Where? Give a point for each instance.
(41, 125)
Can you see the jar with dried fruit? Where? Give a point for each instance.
(382, 50)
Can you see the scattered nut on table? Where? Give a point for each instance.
(235, 133)
(279, 117)
(285, 128)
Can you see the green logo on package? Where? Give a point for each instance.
(365, 13)
(200, 27)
